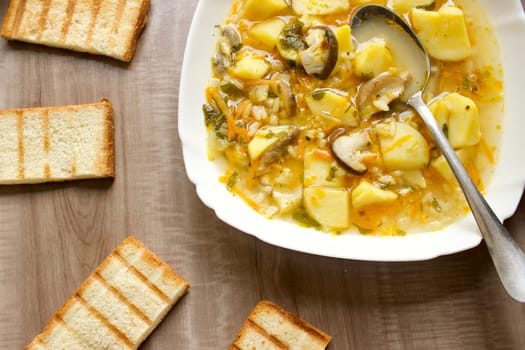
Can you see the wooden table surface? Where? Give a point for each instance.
(52, 236)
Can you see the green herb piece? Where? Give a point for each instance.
(331, 174)
(214, 118)
(362, 230)
(232, 90)
(303, 219)
(400, 232)
(291, 36)
(271, 134)
(318, 95)
(445, 129)
(232, 180)
(436, 205)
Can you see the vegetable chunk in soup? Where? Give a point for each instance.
(310, 124)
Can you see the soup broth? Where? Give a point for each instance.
(311, 127)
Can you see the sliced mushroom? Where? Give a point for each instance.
(229, 43)
(376, 94)
(350, 150)
(287, 99)
(320, 57)
(279, 148)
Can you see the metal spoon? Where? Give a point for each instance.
(506, 254)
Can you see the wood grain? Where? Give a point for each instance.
(53, 236)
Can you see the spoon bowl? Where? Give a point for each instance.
(506, 254)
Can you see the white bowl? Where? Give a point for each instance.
(503, 194)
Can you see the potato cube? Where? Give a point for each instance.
(443, 33)
(374, 59)
(463, 122)
(328, 206)
(250, 67)
(266, 137)
(324, 101)
(404, 6)
(287, 199)
(402, 146)
(320, 169)
(440, 164)
(367, 194)
(257, 10)
(266, 34)
(320, 7)
(459, 116)
(414, 178)
(343, 35)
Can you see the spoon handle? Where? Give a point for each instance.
(506, 254)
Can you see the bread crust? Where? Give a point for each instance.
(139, 27)
(109, 139)
(96, 276)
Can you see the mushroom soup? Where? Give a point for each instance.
(310, 122)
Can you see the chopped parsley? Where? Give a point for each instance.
(232, 90)
(305, 220)
(232, 180)
(292, 36)
(436, 205)
(317, 95)
(215, 119)
(331, 174)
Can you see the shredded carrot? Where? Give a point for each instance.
(247, 199)
(487, 151)
(398, 143)
(324, 155)
(301, 142)
(241, 107)
(474, 174)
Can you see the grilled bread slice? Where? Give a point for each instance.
(102, 27)
(56, 143)
(118, 306)
(269, 327)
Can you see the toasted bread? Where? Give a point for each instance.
(57, 143)
(270, 327)
(102, 27)
(118, 306)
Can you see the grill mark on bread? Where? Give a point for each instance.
(267, 335)
(143, 278)
(58, 319)
(93, 311)
(122, 298)
(45, 129)
(20, 130)
(69, 17)
(295, 320)
(95, 10)
(43, 18)
(116, 24)
(18, 17)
